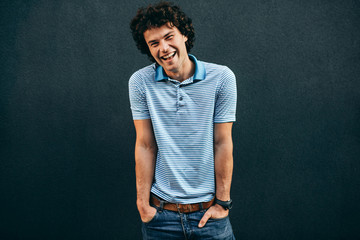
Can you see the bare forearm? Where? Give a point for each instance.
(223, 149)
(145, 153)
(144, 168)
(223, 169)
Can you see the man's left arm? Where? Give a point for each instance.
(223, 150)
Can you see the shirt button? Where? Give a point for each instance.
(181, 98)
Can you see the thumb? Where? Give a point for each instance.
(204, 220)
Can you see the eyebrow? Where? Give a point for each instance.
(167, 34)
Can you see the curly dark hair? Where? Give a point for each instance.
(156, 16)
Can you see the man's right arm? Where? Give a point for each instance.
(145, 156)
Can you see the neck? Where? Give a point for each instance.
(186, 71)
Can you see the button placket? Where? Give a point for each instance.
(177, 96)
(181, 97)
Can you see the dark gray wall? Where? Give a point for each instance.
(67, 139)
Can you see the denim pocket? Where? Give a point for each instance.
(219, 219)
(154, 218)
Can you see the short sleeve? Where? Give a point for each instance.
(137, 95)
(225, 106)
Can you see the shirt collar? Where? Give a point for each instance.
(199, 74)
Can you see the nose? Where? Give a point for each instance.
(164, 46)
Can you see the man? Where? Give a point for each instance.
(183, 111)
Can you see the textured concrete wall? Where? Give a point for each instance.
(67, 139)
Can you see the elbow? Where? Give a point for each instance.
(225, 142)
(225, 148)
(146, 146)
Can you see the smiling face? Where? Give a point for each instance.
(167, 46)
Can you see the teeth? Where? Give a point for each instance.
(168, 56)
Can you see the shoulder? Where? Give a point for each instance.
(223, 76)
(143, 74)
(219, 73)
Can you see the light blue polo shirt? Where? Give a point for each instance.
(183, 116)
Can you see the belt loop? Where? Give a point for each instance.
(178, 208)
(161, 207)
(201, 206)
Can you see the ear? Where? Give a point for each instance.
(186, 38)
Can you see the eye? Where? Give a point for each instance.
(154, 44)
(169, 37)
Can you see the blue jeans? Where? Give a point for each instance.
(169, 225)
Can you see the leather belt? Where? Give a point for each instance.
(183, 208)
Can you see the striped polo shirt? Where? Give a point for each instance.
(183, 116)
